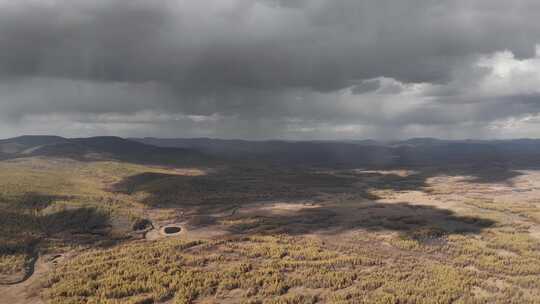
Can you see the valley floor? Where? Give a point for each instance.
(265, 235)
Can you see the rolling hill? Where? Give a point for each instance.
(411, 152)
(97, 148)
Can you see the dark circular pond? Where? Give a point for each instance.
(172, 229)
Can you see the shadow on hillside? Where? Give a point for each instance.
(236, 187)
(232, 189)
(402, 217)
(29, 230)
(23, 228)
(37, 201)
(241, 185)
(493, 175)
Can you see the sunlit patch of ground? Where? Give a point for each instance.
(400, 173)
(269, 208)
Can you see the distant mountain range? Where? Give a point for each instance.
(361, 153)
(97, 148)
(366, 153)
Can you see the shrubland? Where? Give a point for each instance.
(352, 240)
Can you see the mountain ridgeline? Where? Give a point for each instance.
(98, 148)
(365, 153)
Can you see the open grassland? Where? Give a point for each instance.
(273, 269)
(267, 235)
(61, 203)
(283, 269)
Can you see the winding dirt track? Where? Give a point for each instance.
(26, 291)
(29, 271)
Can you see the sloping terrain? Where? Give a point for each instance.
(105, 224)
(98, 148)
(413, 152)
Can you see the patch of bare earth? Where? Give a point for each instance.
(27, 292)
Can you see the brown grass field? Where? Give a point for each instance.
(92, 232)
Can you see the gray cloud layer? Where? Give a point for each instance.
(292, 69)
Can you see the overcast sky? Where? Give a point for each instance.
(289, 69)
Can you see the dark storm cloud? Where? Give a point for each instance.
(318, 44)
(261, 62)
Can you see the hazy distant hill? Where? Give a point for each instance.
(412, 152)
(316, 153)
(94, 148)
(368, 153)
(21, 144)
